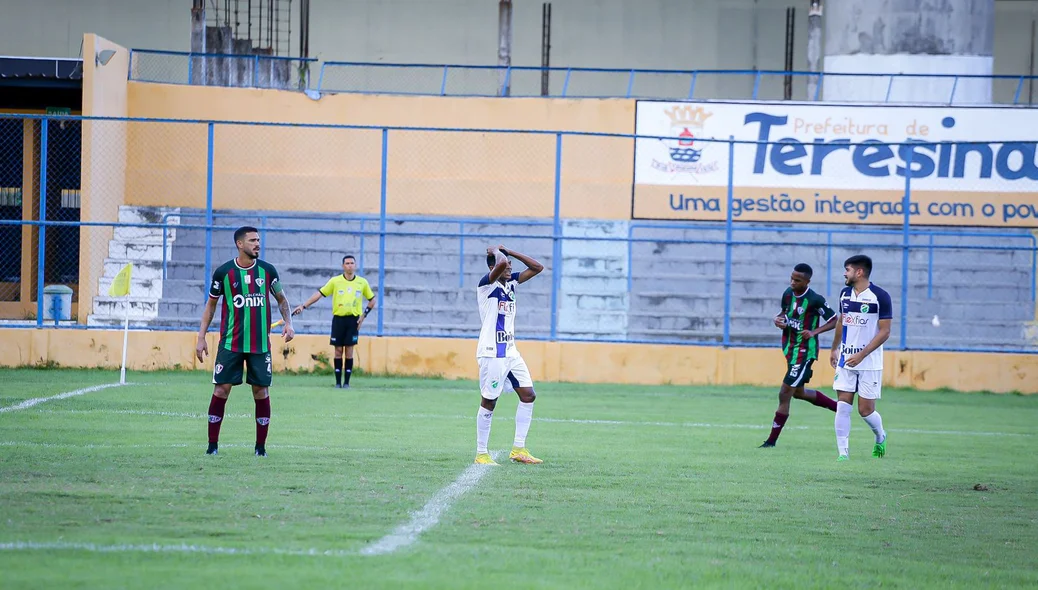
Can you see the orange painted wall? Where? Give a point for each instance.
(339, 170)
(584, 362)
(103, 161)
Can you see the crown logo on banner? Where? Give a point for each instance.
(687, 116)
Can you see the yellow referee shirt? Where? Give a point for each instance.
(346, 294)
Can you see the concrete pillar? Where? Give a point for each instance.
(219, 41)
(814, 46)
(909, 36)
(504, 45)
(198, 41)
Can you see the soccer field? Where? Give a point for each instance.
(642, 487)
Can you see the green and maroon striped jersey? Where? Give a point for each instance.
(245, 321)
(806, 312)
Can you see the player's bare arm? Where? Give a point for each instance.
(500, 263)
(306, 305)
(882, 334)
(834, 355)
(367, 310)
(533, 267)
(201, 347)
(288, 332)
(831, 324)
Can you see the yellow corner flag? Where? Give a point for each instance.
(121, 283)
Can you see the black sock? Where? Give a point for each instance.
(338, 372)
(349, 370)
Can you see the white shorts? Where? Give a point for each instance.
(867, 384)
(495, 374)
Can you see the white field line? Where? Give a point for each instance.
(761, 426)
(403, 536)
(628, 423)
(426, 518)
(39, 400)
(157, 548)
(46, 445)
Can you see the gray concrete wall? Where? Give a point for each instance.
(916, 37)
(654, 34)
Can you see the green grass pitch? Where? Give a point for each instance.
(642, 487)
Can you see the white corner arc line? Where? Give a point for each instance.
(157, 548)
(39, 400)
(426, 518)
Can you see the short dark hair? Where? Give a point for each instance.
(347, 257)
(860, 261)
(804, 269)
(241, 231)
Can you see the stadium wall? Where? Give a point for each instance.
(342, 167)
(704, 34)
(103, 159)
(584, 362)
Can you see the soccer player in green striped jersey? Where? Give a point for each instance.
(800, 320)
(245, 284)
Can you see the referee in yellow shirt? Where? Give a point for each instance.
(346, 291)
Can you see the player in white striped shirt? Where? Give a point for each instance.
(500, 364)
(865, 314)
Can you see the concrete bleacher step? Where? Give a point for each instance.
(140, 287)
(115, 307)
(144, 235)
(674, 285)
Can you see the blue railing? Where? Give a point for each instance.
(1030, 244)
(490, 80)
(825, 241)
(178, 67)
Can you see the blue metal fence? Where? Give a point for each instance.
(173, 67)
(722, 240)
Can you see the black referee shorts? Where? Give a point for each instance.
(344, 330)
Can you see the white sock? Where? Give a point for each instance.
(843, 427)
(483, 418)
(875, 421)
(523, 417)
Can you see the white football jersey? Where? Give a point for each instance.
(497, 316)
(860, 315)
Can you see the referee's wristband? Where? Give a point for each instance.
(367, 310)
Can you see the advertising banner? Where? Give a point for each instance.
(837, 163)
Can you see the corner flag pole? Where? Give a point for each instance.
(121, 288)
(126, 333)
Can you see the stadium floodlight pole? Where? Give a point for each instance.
(556, 248)
(209, 207)
(42, 250)
(905, 240)
(382, 232)
(727, 338)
